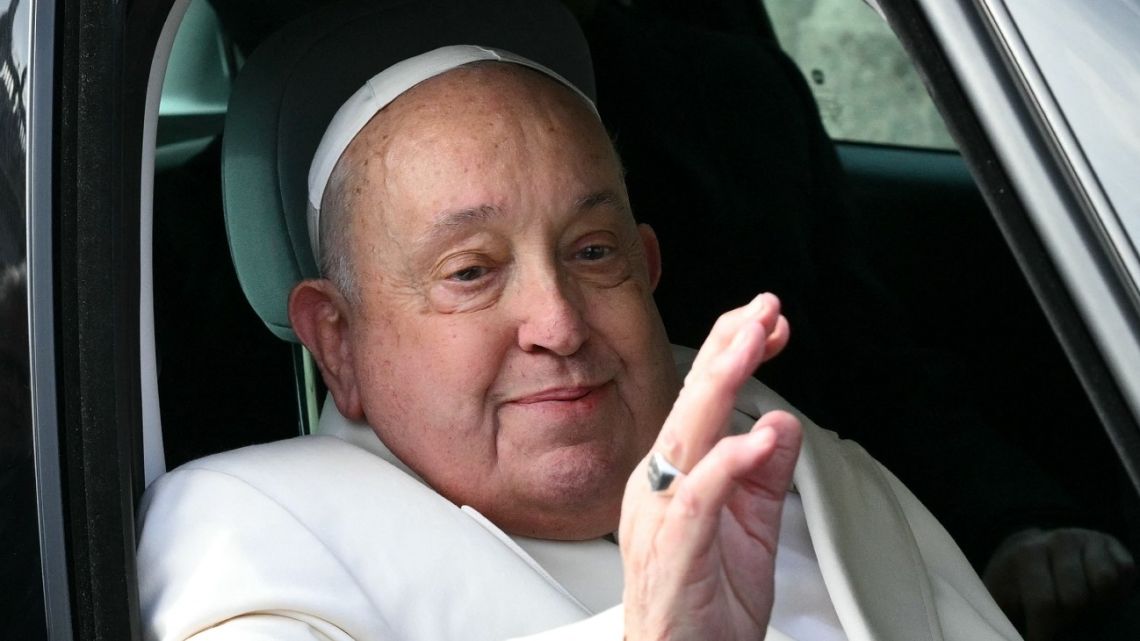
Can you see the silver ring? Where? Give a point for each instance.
(662, 473)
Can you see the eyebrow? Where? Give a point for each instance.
(464, 217)
(449, 222)
(606, 197)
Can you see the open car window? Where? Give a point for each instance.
(908, 229)
(881, 204)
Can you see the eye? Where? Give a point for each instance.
(468, 274)
(595, 252)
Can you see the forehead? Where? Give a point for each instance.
(490, 128)
(488, 92)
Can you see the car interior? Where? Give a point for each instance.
(913, 329)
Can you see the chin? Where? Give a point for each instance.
(564, 525)
(575, 495)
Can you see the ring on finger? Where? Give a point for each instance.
(662, 473)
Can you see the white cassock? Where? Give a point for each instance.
(330, 537)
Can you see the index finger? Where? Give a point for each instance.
(734, 349)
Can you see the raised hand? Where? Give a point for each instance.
(699, 558)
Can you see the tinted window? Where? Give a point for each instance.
(865, 85)
(22, 606)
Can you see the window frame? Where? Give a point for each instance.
(1035, 200)
(42, 322)
(86, 177)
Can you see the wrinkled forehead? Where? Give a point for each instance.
(479, 137)
(480, 104)
(389, 86)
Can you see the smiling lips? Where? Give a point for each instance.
(567, 394)
(563, 407)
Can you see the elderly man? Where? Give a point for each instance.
(507, 400)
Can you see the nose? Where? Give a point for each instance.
(551, 315)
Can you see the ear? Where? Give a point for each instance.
(319, 314)
(652, 253)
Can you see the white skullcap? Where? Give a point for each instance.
(380, 91)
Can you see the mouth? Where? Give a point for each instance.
(556, 394)
(562, 415)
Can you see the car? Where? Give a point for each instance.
(1004, 269)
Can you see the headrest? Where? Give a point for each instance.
(294, 83)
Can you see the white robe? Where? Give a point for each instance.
(319, 538)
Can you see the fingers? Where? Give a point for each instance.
(693, 511)
(737, 345)
(759, 463)
(720, 528)
(777, 338)
(776, 474)
(765, 307)
(722, 519)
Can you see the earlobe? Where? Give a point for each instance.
(319, 317)
(652, 253)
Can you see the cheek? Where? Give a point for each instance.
(627, 316)
(426, 394)
(629, 324)
(431, 369)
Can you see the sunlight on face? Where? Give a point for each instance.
(507, 347)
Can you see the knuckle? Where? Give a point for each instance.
(708, 388)
(722, 368)
(726, 322)
(685, 504)
(669, 446)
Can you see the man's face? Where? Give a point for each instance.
(506, 345)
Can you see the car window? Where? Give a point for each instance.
(866, 87)
(22, 606)
(971, 390)
(1002, 383)
(866, 91)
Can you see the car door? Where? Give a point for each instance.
(72, 79)
(90, 95)
(26, 419)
